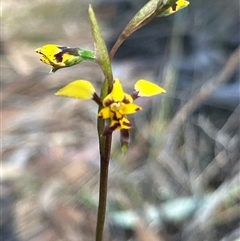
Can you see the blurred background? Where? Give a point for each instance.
(179, 180)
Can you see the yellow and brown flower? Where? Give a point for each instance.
(116, 105)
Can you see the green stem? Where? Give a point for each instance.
(102, 57)
(104, 163)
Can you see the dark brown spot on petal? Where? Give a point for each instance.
(100, 116)
(59, 57)
(125, 100)
(127, 124)
(72, 51)
(64, 50)
(174, 7)
(108, 102)
(114, 116)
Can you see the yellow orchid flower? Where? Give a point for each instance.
(60, 57)
(178, 5)
(116, 105)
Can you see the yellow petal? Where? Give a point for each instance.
(48, 49)
(104, 113)
(117, 115)
(180, 5)
(45, 60)
(146, 88)
(116, 95)
(127, 98)
(125, 123)
(117, 91)
(107, 100)
(50, 53)
(79, 89)
(114, 123)
(129, 109)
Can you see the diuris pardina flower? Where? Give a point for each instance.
(116, 105)
(60, 56)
